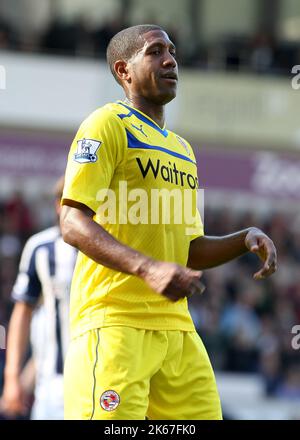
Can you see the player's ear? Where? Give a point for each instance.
(122, 72)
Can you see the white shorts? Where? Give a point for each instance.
(49, 400)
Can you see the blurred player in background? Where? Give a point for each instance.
(41, 314)
(134, 349)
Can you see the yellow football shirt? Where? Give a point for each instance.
(141, 182)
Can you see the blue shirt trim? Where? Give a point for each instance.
(51, 257)
(142, 118)
(133, 142)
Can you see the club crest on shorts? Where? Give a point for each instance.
(86, 150)
(109, 400)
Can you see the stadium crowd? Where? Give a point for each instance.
(246, 325)
(261, 53)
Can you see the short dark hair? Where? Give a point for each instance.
(125, 43)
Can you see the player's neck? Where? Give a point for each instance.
(154, 111)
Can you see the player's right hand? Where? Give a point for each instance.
(172, 280)
(13, 400)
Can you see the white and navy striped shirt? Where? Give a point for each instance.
(46, 269)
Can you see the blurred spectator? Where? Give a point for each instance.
(246, 325)
(241, 328)
(271, 372)
(18, 216)
(104, 33)
(291, 385)
(8, 36)
(67, 38)
(259, 53)
(262, 53)
(16, 225)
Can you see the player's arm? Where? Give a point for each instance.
(207, 252)
(81, 231)
(13, 400)
(28, 376)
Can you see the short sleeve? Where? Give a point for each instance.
(97, 150)
(27, 287)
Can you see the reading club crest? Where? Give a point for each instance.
(86, 150)
(109, 400)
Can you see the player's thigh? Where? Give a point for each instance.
(78, 376)
(185, 387)
(118, 371)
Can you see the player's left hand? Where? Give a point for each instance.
(260, 244)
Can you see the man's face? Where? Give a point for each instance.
(153, 69)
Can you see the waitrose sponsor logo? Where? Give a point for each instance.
(169, 173)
